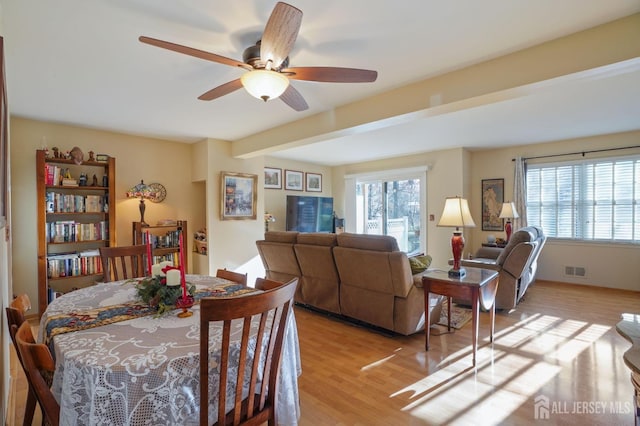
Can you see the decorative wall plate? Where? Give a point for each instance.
(159, 190)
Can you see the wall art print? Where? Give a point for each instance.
(492, 199)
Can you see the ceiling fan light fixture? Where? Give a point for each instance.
(264, 84)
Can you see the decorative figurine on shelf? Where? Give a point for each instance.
(77, 155)
(91, 157)
(82, 181)
(95, 180)
(56, 152)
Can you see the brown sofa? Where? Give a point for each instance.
(363, 277)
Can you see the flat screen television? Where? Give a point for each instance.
(309, 214)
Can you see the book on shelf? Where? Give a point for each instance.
(69, 231)
(74, 264)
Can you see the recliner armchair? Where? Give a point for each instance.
(517, 264)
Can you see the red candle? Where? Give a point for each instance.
(149, 255)
(183, 282)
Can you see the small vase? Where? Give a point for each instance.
(185, 303)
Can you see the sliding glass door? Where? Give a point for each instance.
(391, 207)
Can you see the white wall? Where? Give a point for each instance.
(5, 292)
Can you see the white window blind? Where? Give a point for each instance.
(586, 200)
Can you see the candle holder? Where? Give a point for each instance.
(184, 303)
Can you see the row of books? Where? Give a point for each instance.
(69, 231)
(74, 264)
(55, 176)
(170, 239)
(69, 203)
(171, 257)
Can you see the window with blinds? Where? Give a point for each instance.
(586, 200)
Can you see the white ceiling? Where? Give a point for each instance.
(80, 62)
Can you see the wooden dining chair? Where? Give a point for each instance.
(39, 367)
(271, 309)
(130, 261)
(15, 316)
(232, 276)
(266, 284)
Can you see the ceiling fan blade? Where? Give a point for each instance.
(221, 90)
(193, 52)
(294, 99)
(280, 33)
(331, 74)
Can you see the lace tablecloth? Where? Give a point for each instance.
(144, 371)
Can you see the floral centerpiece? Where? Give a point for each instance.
(155, 292)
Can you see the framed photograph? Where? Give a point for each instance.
(102, 158)
(272, 178)
(492, 199)
(293, 180)
(314, 182)
(239, 193)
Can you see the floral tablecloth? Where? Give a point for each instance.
(144, 371)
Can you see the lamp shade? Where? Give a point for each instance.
(140, 190)
(456, 213)
(509, 211)
(264, 84)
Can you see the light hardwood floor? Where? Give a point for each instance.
(559, 345)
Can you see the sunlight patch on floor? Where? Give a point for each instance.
(377, 363)
(504, 380)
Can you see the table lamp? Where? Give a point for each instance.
(456, 214)
(508, 212)
(143, 191)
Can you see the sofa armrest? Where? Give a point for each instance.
(488, 252)
(480, 263)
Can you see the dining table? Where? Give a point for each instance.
(119, 363)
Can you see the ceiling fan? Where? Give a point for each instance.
(267, 63)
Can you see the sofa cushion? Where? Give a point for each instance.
(368, 242)
(281, 236)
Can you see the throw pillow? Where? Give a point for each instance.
(419, 263)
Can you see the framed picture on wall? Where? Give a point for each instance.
(293, 180)
(314, 182)
(492, 199)
(272, 178)
(239, 192)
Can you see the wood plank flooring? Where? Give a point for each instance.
(559, 345)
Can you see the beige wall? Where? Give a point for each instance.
(153, 160)
(275, 199)
(607, 265)
(446, 177)
(460, 172)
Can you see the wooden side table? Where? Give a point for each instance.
(478, 285)
(629, 328)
